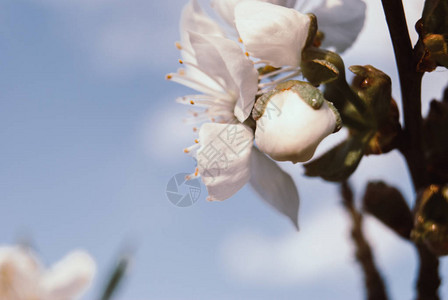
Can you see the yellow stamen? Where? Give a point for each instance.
(186, 150)
(178, 45)
(191, 102)
(181, 61)
(168, 77)
(247, 54)
(196, 141)
(196, 172)
(240, 40)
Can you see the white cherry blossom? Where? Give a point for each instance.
(226, 157)
(23, 277)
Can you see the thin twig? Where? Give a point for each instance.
(374, 282)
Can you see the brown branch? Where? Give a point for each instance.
(412, 147)
(373, 281)
(410, 82)
(428, 277)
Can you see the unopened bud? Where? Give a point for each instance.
(431, 219)
(292, 120)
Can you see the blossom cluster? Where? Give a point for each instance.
(249, 109)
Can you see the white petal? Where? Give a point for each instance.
(194, 19)
(274, 186)
(224, 158)
(341, 21)
(20, 273)
(69, 277)
(224, 59)
(271, 32)
(285, 3)
(226, 8)
(290, 129)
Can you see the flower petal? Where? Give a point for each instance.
(20, 271)
(194, 19)
(274, 186)
(226, 8)
(341, 21)
(224, 158)
(223, 58)
(69, 277)
(271, 32)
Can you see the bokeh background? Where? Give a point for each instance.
(90, 136)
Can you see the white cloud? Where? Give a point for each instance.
(320, 250)
(165, 134)
(121, 37)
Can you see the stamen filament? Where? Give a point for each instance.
(276, 72)
(207, 74)
(197, 85)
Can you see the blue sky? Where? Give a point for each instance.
(91, 135)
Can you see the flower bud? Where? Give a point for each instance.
(431, 219)
(292, 120)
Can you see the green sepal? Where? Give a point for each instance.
(432, 28)
(340, 162)
(319, 71)
(374, 87)
(306, 92)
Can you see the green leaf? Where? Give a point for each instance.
(116, 277)
(341, 161)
